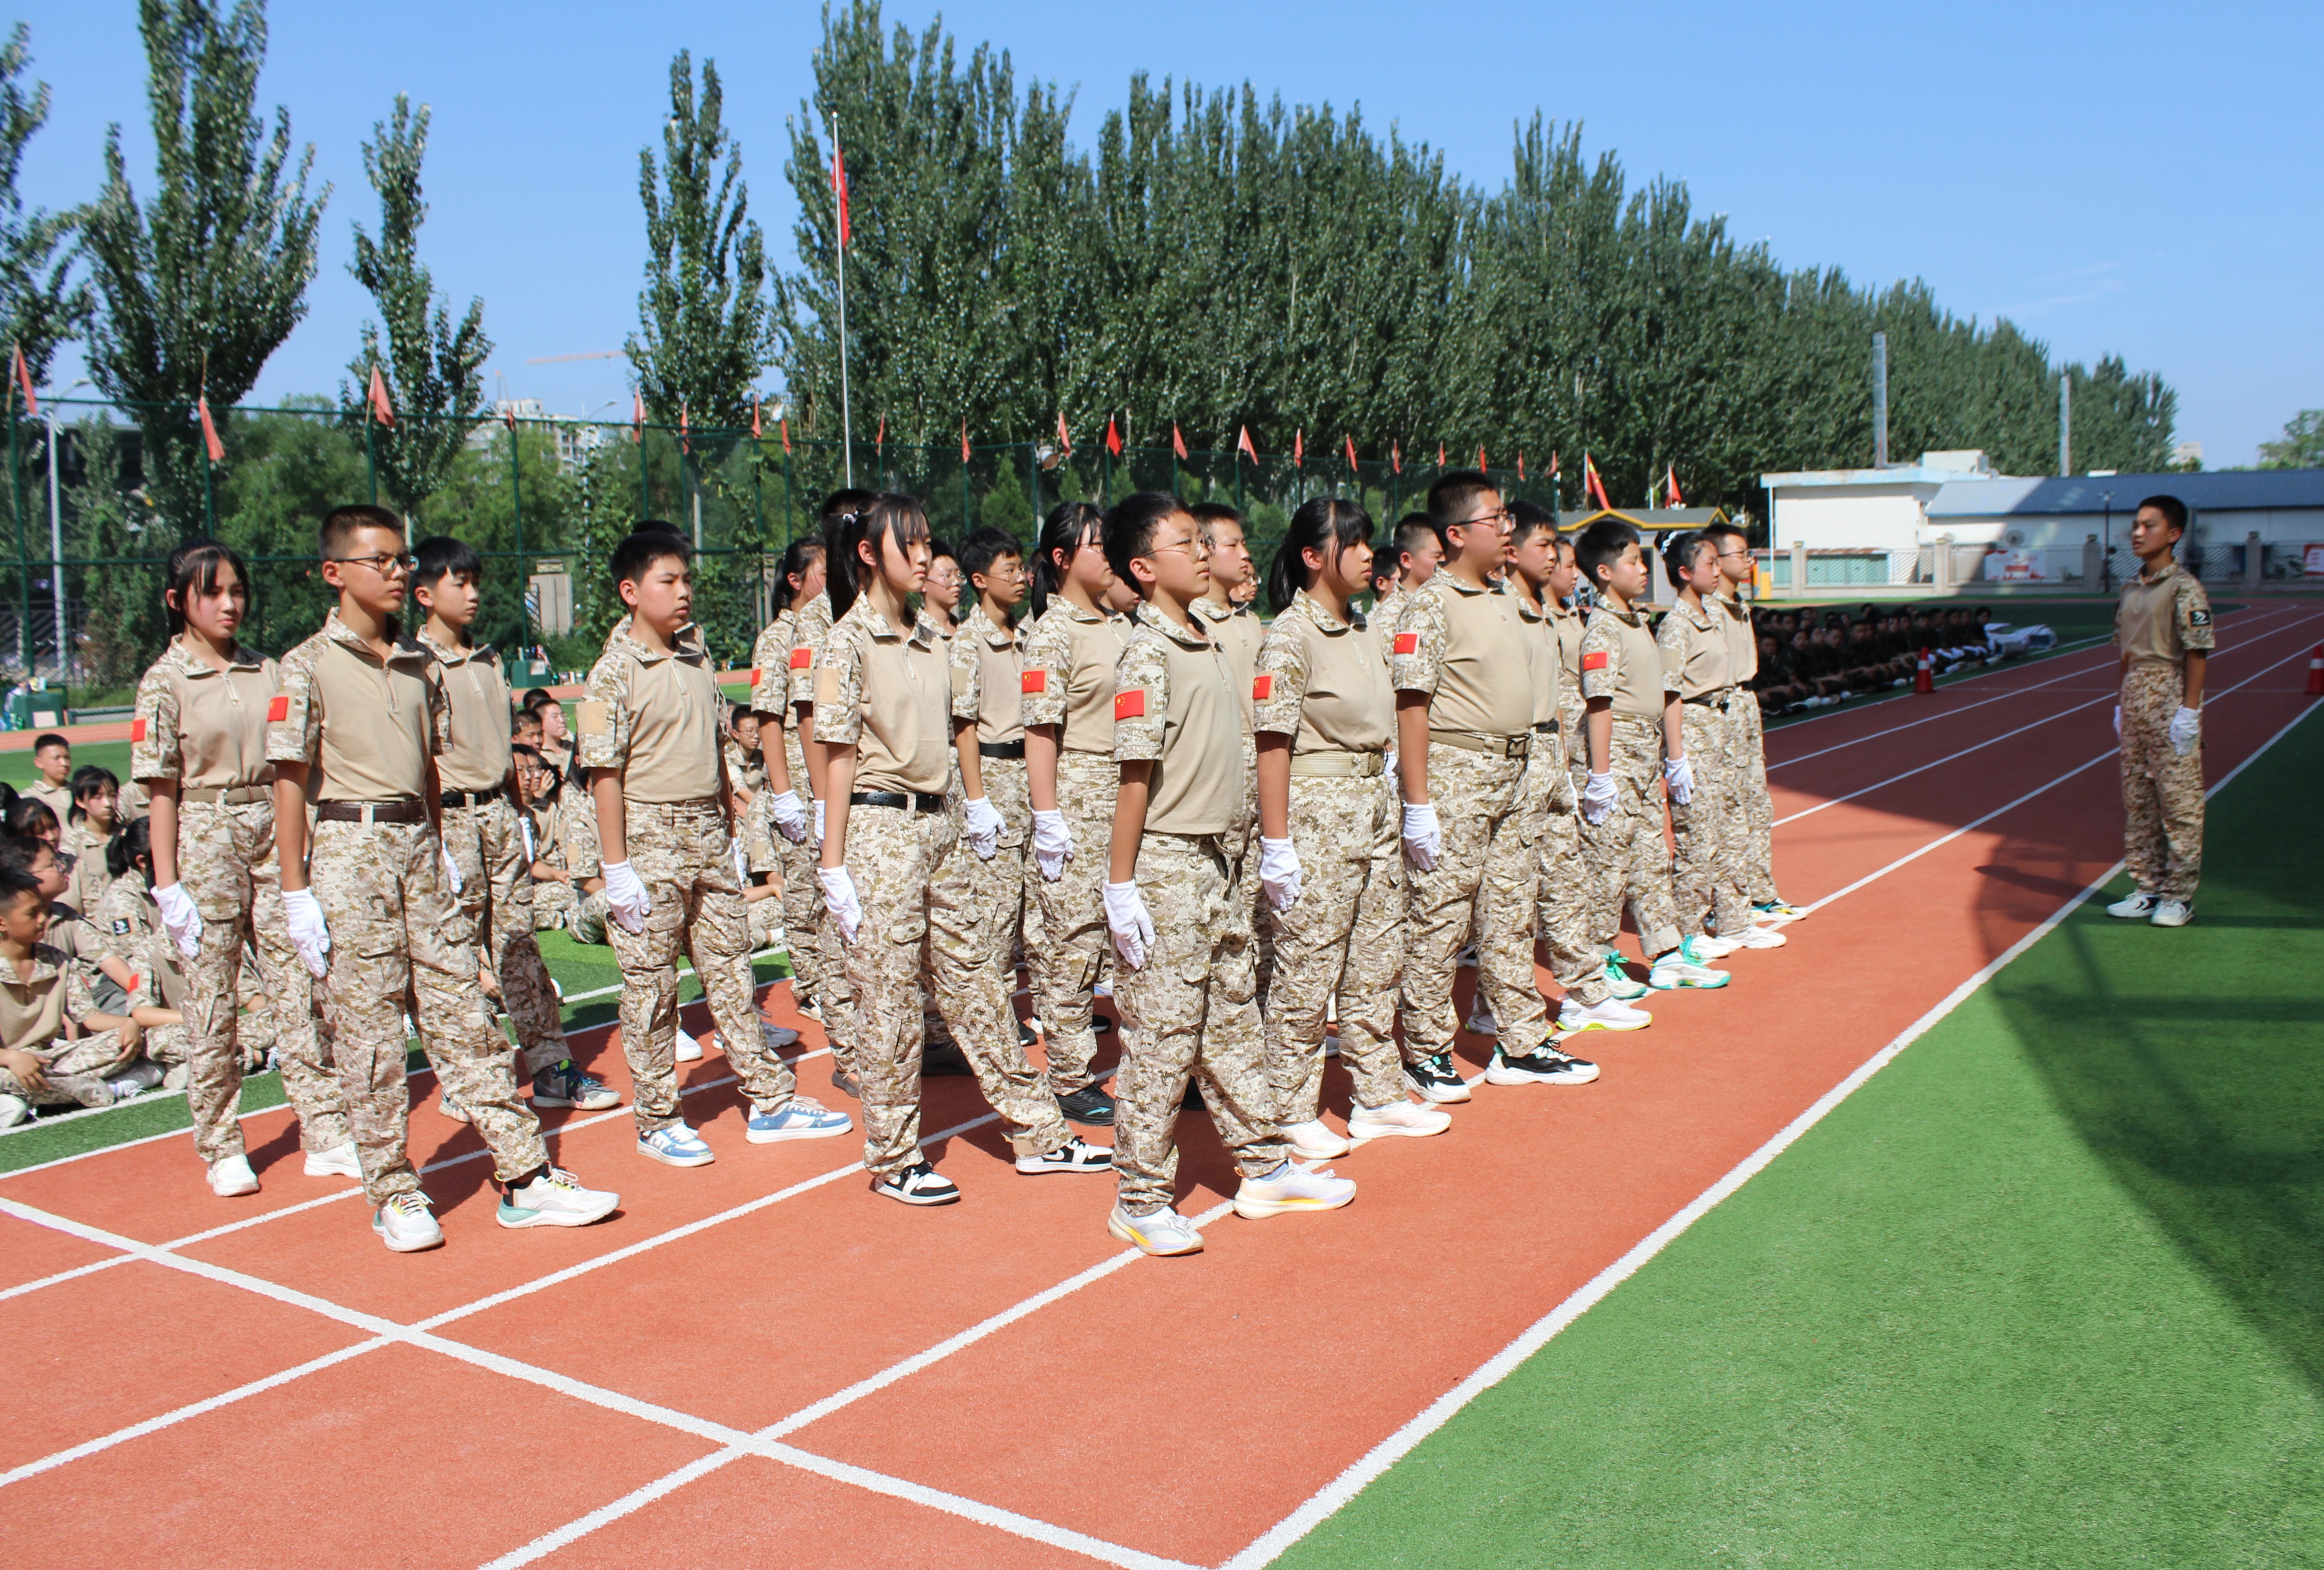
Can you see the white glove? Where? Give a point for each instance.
(985, 828)
(1052, 843)
(626, 899)
(1678, 778)
(1389, 766)
(1423, 841)
(308, 935)
(818, 821)
(839, 899)
(789, 814)
(524, 827)
(451, 869)
(1278, 872)
(742, 861)
(178, 917)
(2186, 730)
(1598, 799)
(1132, 928)
(2117, 721)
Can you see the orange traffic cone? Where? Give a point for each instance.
(1924, 679)
(2316, 672)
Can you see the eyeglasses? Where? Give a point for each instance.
(1734, 556)
(385, 566)
(1503, 519)
(1195, 549)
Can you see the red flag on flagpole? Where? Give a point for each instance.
(1064, 440)
(1242, 445)
(685, 436)
(381, 409)
(1298, 449)
(1440, 455)
(1177, 442)
(1112, 437)
(784, 425)
(24, 380)
(1395, 455)
(963, 439)
(839, 188)
(880, 439)
(1520, 466)
(1593, 485)
(1351, 451)
(1552, 463)
(1670, 483)
(210, 441)
(1481, 456)
(637, 417)
(508, 417)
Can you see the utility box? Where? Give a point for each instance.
(36, 711)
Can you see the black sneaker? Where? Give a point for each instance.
(1100, 1024)
(844, 1084)
(917, 1184)
(1025, 1036)
(1434, 1079)
(1543, 1066)
(1089, 1106)
(944, 1061)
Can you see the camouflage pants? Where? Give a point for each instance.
(2162, 792)
(1711, 862)
(1749, 745)
(1070, 959)
(1341, 941)
(1626, 853)
(227, 865)
(1189, 1010)
(1562, 892)
(384, 898)
(766, 914)
(552, 905)
(680, 852)
(74, 1071)
(495, 919)
(1486, 875)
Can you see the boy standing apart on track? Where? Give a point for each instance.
(650, 737)
(1636, 734)
(493, 892)
(2163, 631)
(355, 730)
(1186, 983)
(1746, 740)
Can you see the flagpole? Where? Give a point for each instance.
(846, 419)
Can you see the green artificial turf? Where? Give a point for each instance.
(2047, 1291)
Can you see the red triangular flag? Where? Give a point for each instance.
(1242, 444)
(1552, 462)
(784, 425)
(1065, 441)
(684, 439)
(209, 431)
(1298, 449)
(1177, 442)
(381, 409)
(1480, 456)
(508, 416)
(1520, 466)
(755, 432)
(1670, 482)
(1395, 455)
(1112, 437)
(637, 417)
(963, 439)
(880, 440)
(1440, 455)
(1351, 451)
(24, 380)
(839, 188)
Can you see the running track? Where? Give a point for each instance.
(759, 1359)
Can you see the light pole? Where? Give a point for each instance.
(2106, 554)
(57, 533)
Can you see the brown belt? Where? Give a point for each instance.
(1477, 742)
(409, 809)
(1337, 765)
(459, 798)
(226, 795)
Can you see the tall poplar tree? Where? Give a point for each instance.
(41, 305)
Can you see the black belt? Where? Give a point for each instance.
(459, 798)
(1000, 749)
(1544, 727)
(901, 800)
(409, 809)
(1718, 700)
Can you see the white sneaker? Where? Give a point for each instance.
(777, 1037)
(1313, 1140)
(556, 1198)
(230, 1178)
(2139, 906)
(1408, 1118)
(338, 1161)
(688, 1050)
(1480, 1022)
(1075, 1155)
(2173, 913)
(13, 1110)
(1759, 937)
(447, 1107)
(1166, 1232)
(407, 1224)
(1706, 947)
(1292, 1186)
(1613, 1015)
(138, 1078)
(1683, 967)
(176, 1076)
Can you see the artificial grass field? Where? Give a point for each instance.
(2047, 1290)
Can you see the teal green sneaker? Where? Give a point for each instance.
(1618, 979)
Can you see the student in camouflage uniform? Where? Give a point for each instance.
(898, 880)
(1330, 866)
(88, 832)
(1229, 615)
(493, 900)
(1068, 660)
(1637, 740)
(1747, 741)
(783, 812)
(649, 729)
(2163, 631)
(40, 992)
(199, 744)
(129, 928)
(1188, 969)
(355, 729)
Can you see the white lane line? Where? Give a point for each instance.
(1939, 763)
(1272, 1544)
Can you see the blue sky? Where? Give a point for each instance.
(2128, 177)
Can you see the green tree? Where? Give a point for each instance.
(434, 369)
(122, 622)
(2301, 446)
(199, 287)
(41, 305)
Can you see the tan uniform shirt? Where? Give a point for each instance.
(369, 726)
(57, 798)
(1465, 647)
(808, 630)
(654, 716)
(1175, 704)
(771, 669)
(991, 652)
(1694, 651)
(1324, 682)
(1569, 627)
(1541, 659)
(1238, 634)
(888, 696)
(477, 757)
(565, 834)
(33, 1010)
(1742, 638)
(91, 876)
(204, 728)
(1620, 662)
(2164, 619)
(1068, 662)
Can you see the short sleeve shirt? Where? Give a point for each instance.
(1694, 650)
(808, 630)
(1175, 704)
(367, 726)
(2164, 619)
(989, 678)
(1541, 659)
(477, 757)
(1463, 645)
(1324, 682)
(203, 727)
(1569, 627)
(771, 669)
(1067, 664)
(1742, 638)
(574, 831)
(886, 694)
(654, 715)
(128, 926)
(33, 1009)
(1621, 662)
(1238, 634)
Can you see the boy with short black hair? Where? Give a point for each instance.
(52, 758)
(40, 991)
(987, 665)
(1747, 734)
(2163, 631)
(1186, 983)
(354, 735)
(649, 736)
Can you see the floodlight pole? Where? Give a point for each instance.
(846, 419)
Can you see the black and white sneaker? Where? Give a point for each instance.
(1434, 1079)
(1543, 1066)
(1075, 1155)
(1089, 1106)
(918, 1184)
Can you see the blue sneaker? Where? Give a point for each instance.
(796, 1119)
(675, 1146)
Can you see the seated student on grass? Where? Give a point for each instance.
(69, 932)
(88, 831)
(129, 932)
(56, 1047)
(52, 761)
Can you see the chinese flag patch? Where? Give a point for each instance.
(1597, 660)
(1260, 686)
(1407, 643)
(137, 730)
(1033, 681)
(279, 710)
(1130, 705)
(758, 674)
(801, 658)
